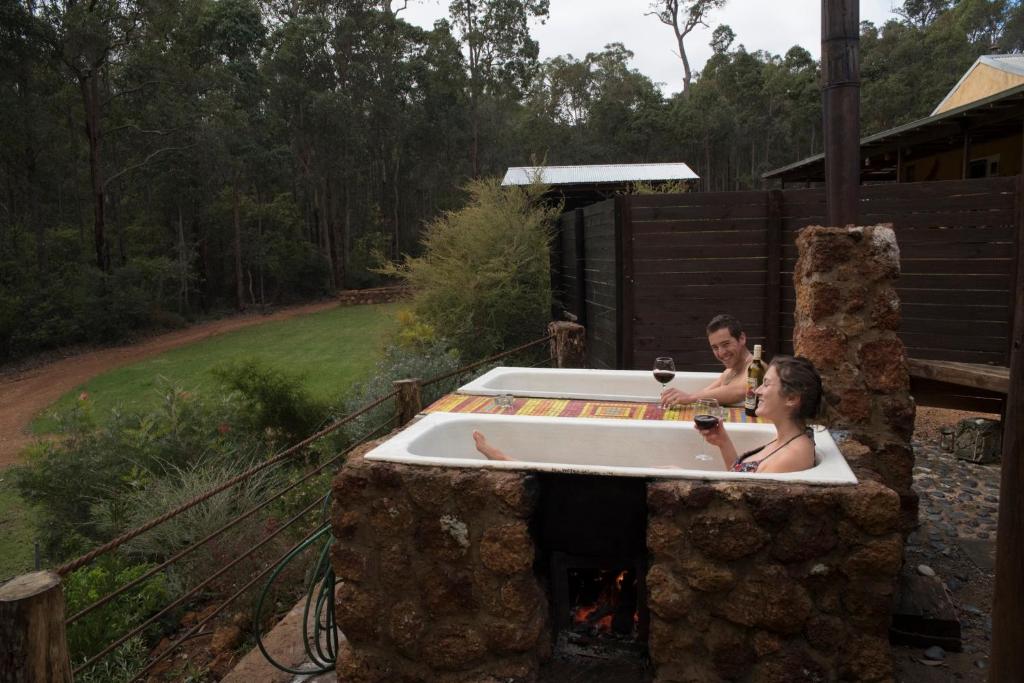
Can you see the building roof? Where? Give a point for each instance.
(995, 115)
(598, 173)
(1011, 64)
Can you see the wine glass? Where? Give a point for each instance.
(664, 370)
(706, 415)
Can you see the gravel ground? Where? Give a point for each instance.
(956, 538)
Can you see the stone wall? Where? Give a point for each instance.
(770, 582)
(435, 571)
(847, 317)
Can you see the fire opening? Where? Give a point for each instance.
(604, 602)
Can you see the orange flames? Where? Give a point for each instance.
(599, 616)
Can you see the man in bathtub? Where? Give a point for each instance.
(729, 344)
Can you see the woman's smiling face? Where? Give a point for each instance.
(772, 404)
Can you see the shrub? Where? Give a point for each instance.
(176, 487)
(422, 360)
(94, 463)
(483, 280)
(90, 634)
(277, 401)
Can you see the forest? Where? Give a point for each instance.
(167, 160)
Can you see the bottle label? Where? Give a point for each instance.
(750, 403)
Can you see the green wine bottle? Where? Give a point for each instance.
(755, 376)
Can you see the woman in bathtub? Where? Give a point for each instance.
(789, 397)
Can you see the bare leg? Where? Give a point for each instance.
(487, 449)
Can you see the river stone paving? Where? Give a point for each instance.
(956, 538)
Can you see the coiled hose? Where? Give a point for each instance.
(321, 641)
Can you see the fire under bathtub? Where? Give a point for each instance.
(609, 447)
(635, 386)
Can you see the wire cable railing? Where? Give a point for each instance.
(220, 572)
(115, 543)
(320, 641)
(485, 361)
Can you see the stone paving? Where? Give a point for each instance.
(959, 504)
(959, 500)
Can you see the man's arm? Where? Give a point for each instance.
(726, 394)
(675, 397)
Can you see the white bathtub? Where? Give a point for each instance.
(595, 385)
(623, 448)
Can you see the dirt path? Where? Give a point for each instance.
(25, 394)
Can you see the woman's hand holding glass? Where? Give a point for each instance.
(707, 417)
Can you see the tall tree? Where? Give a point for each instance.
(501, 55)
(684, 16)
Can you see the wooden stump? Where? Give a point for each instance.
(408, 402)
(33, 645)
(569, 347)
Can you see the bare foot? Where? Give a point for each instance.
(487, 449)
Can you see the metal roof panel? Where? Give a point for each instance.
(597, 173)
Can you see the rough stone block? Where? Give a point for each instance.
(668, 597)
(880, 556)
(454, 647)
(356, 611)
(726, 535)
(730, 649)
(707, 576)
(767, 598)
(406, 626)
(873, 507)
(826, 347)
(884, 363)
(507, 548)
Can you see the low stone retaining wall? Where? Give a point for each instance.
(378, 295)
(746, 581)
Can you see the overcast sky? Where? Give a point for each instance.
(577, 27)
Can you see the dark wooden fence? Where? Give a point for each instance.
(656, 268)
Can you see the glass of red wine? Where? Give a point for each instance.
(706, 415)
(664, 370)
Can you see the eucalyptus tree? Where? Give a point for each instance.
(683, 16)
(501, 57)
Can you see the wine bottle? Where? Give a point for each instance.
(755, 376)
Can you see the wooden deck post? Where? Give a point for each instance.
(33, 644)
(407, 403)
(1008, 601)
(569, 347)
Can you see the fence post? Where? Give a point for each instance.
(33, 644)
(407, 402)
(569, 346)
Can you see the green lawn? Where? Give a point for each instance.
(331, 349)
(15, 532)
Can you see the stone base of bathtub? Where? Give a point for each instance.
(435, 571)
(771, 582)
(746, 581)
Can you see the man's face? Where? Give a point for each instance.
(727, 349)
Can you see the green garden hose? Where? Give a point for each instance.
(321, 641)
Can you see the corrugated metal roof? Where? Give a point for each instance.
(604, 173)
(1016, 91)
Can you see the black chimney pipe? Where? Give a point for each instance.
(840, 72)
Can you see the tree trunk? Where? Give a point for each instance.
(91, 101)
(239, 290)
(182, 267)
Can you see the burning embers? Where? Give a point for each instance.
(604, 603)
